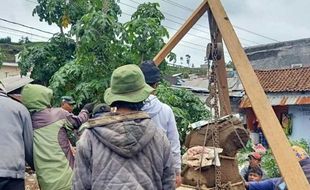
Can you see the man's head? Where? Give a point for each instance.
(36, 97)
(100, 109)
(128, 88)
(151, 73)
(255, 174)
(254, 159)
(67, 103)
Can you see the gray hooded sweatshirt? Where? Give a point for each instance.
(127, 154)
(16, 138)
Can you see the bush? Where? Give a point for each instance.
(186, 107)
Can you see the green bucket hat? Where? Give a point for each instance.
(127, 85)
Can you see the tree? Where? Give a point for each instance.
(5, 40)
(188, 59)
(24, 40)
(61, 12)
(45, 59)
(104, 44)
(145, 33)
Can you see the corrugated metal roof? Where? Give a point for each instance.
(280, 100)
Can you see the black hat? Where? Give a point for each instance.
(150, 71)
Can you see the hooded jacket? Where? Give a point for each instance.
(16, 138)
(53, 157)
(123, 154)
(162, 115)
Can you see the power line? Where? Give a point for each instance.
(171, 21)
(204, 31)
(240, 28)
(16, 30)
(19, 35)
(30, 27)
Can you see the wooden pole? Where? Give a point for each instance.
(220, 70)
(203, 7)
(287, 162)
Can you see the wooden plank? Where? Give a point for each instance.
(221, 75)
(181, 32)
(288, 164)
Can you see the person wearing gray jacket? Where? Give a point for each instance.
(16, 140)
(162, 115)
(124, 150)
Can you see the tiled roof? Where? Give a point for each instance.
(285, 80)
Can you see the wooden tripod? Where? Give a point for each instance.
(288, 164)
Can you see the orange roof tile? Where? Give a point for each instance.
(285, 80)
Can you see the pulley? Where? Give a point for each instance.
(214, 51)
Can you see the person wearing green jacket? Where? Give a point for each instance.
(52, 154)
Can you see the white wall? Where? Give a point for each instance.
(301, 122)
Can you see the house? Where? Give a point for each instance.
(283, 70)
(9, 66)
(199, 86)
(281, 55)
(9, 69)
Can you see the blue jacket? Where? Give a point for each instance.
(162, 115)
(275, 183)
(16, 138)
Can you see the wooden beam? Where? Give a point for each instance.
(203, 7)
(287, 162)
(220, 70)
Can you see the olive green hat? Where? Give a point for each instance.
(127, 85)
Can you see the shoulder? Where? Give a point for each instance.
(166, 108)
(17, 106)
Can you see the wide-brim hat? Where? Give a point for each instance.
(127, 85)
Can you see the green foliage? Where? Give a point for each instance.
(268, 162)
(5, 40)
(24, 40)
(45, 59)
(185, 105)
(103, 45)
(50, 11)
(144, 32)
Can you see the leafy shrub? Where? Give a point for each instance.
(186, 107)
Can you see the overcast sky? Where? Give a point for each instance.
(276, 20)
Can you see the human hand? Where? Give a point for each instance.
(89, 107)
(178, 180)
